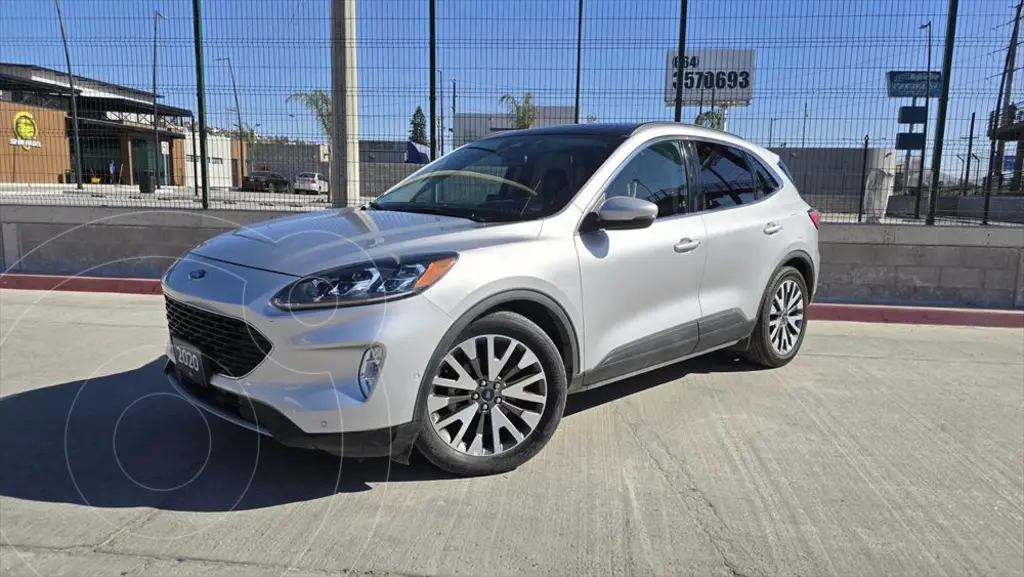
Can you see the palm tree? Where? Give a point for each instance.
(319, 103)
(710, 119)
(522, 112)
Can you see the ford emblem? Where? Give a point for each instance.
(197, 274)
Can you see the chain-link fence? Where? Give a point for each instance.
(829, 85)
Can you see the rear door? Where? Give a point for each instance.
(640, 287)
(741, 241)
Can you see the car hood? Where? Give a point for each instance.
(311, 242)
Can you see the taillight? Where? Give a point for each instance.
(815, 217)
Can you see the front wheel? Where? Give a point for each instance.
(782, 320)
(494, 399)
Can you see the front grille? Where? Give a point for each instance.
(233, 347)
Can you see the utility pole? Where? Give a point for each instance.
(157, 16)
(1004, 114)
(680, 60)
(453, 114)
(197, 27)
(74, 99)
(344, 104)
(579, 59)
(940, 121)
(433, 79)
(803, 140)
(970, 152)
(996, 147)
(242, 154)
(440, 111)
(924, 129)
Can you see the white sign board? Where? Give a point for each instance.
(725, 77)
(165, 148)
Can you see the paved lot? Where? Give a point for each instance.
(883, 450)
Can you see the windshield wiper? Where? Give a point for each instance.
(435, 210)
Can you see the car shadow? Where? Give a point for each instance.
(128, 440)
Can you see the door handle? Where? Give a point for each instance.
(772, 228)
(686, 245)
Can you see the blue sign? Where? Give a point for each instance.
(1008, 162)
(913, 84)
(910, 141)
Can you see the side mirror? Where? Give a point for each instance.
(622, 213)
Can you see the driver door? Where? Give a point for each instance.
(640, 287)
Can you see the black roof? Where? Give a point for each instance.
(600, 128)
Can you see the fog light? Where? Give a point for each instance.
(370, 368)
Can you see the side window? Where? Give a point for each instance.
(656, 175)
(725, 178)
(765, 181)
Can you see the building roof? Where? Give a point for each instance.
(121, 105)
(32, 67)
(12, 82)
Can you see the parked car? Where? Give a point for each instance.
(311, 183)
(456, 312)
(266, 181)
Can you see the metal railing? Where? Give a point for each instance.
(807, 83)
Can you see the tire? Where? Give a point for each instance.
(768, 348)
(455, 448)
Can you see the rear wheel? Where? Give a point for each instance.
(494, 399)
(782, 320)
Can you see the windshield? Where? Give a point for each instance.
(511, 178)
(259, 174)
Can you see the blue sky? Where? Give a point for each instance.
(830, 54)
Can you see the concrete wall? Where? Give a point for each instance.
(1002, 208)
(955, 266)
(860, 263)
(834, 174)
(218, 167)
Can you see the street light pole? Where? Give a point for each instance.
(243, 157)
(924, 129)
(74, 104)
(157, 16)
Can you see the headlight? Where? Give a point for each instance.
(365, 283)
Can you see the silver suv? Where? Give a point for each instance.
(455, 312)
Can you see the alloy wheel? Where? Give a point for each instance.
(786, 317)
(488, 395)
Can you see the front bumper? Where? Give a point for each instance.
(262, 418)
(307, 385)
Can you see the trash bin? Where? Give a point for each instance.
(146, 182)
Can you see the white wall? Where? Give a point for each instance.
(218, 149)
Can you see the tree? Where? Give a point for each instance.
(418, 127)
(711, 119)
(522, 112)
(319, 103)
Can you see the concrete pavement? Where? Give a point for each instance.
(882, 450)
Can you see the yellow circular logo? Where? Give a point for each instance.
(24, 126)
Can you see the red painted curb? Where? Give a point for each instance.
(818, 311)
(912, 315)
(140, 286)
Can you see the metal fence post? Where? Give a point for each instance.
(863, 181)
(680, 56)
(197, 25)
(940, 120)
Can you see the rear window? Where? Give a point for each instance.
(307, 175)
(259, 174)
(785, 169)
